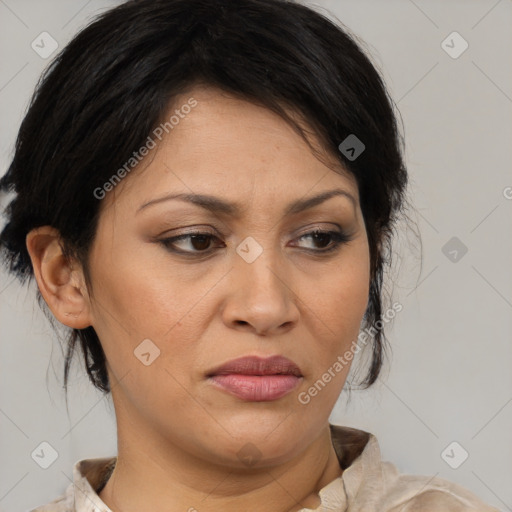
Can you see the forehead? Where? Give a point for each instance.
(228, 146)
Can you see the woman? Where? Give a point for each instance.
(206, 193)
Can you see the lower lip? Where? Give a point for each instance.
(256, 388)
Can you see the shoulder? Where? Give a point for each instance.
(63, 503)
(81, 496)
(418, 493)
(372, 484)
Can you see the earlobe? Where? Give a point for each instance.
(61, 285)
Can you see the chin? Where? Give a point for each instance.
(256, 438)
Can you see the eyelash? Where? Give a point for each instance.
(339, 237)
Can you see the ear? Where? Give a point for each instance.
(61, 282)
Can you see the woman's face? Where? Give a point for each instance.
(257, 283)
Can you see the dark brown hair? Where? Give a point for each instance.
(112, 84)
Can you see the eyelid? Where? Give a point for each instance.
(319, 227)
(191, 230)
(202, 230)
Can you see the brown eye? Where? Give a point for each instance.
(327, 240)
(191, 243)
(200, 242)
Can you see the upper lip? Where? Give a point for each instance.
(254, 365)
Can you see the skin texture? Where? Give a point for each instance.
(178, 436)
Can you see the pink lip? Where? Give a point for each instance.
(257, 379)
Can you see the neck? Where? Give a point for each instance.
(158, 475)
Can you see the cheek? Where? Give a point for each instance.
(341, 297)
(137, 300)
(339, 304)
(132, 291)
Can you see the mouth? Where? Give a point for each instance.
(257, 379)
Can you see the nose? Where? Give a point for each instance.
(260, 296)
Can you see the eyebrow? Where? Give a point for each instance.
(218, 205)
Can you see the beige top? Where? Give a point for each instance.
(367, 484)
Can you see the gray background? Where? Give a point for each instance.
(449, 377)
